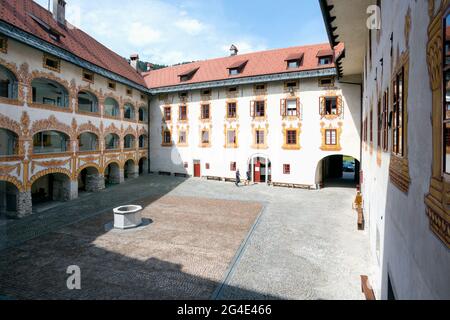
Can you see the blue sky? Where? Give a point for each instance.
(173, 31)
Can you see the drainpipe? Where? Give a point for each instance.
(149, 132)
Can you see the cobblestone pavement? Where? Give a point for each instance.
(304, 245)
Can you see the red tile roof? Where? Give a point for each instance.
(17, 13)
(259, 63)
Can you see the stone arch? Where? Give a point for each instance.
(11, 125)
(90, 178)
(330, 166)
(130, 131)
(52, 124)
(47, 172)
(14, 181)
(90, 165)
(111, 162)
(71, 90)
(112, 129)
(91, 92)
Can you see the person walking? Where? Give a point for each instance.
(238, 178)
(249, 178)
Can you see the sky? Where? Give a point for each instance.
(174, 31)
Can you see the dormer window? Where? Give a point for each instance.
(325, 57)
(52, 63)
(294, 61)
(237, 68)
(188, 75)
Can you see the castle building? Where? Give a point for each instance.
(398, 51)
(279, 115)
(73, 114)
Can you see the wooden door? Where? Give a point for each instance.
(257, 173)
(197, 170)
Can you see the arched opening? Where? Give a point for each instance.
(87, 102)
(143, 114)
(8, 84)
(143, 166)
(112, 174)
(129, 142)
(111, 108)
(50, 190)
(8, 200)
(128, 112)
(90, 180)
(50, 142)
(260, 169)
(87, 141)
(129, 170)
(143, 141)
(49, 92)
(338, 171)
(9, 143)
(112, 142)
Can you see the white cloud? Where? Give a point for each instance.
(141, 35)
(190, 26)
(161, 31)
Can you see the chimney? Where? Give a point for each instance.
(149, 67)
(59, 11)
(134, 61)
(234, 50)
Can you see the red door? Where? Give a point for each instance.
(257, 172)
(197, 172)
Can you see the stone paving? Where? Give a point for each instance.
(304, 245)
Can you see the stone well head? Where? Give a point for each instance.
(127, 217)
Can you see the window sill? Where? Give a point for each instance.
(205, 145)
(14, 102)
(51, 155)
(291, 147)
(330, 116)
(50, 107)
(10, 158)
(234, 146)
(260, 146)
(331, 148)
(167, 145)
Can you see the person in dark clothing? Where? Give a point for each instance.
(249, 178)
(238, 178)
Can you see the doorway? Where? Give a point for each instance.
(197, 169)
(260, 169)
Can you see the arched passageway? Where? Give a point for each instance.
(338, 171)
(113, 174)
(50, 189)
(8, 200)
(129, 170)
(260, 168)
(143, 166)
(90, 180)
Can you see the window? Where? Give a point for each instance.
(88, 76)
(325, 60)
(231, 138)
(8, 84)
(3, 45)
(87, 102)
(143, 114)
(167, 113)
(50, 142)
(260, 137)
(293, 64)
(186, 165)
(398, 114)
(50, 93)
(290, 86)
(128, 112)
(234, 71)
(10, 143)
(233, 166)
(112, 142)
(287, 169)
(205, 137)
(183, 113)
(129, 142)
(182, 137)
(205, 112)
(291, 137)
(129, 91)
(112, 85)
(111, 108)
(52, 63)
(142, 141)
(207, 166)
(260, 89)
(167, 138)
(331, 106)
(87, 142)
(231, 110)
(183, 96)
(330, 137)
(326, 82)
(206, 92)
(290, 107)
(385, 120)
(258, 109)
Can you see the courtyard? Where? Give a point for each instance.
(201, 240)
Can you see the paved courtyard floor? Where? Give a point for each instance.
(206, 240)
